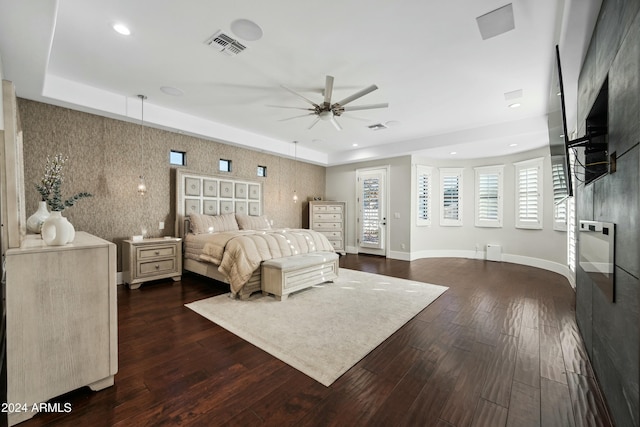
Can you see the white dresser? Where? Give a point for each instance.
(329, 219)
(61, 320)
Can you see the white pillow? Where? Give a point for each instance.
(201, 224)
(248, 222)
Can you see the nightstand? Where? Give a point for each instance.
(151, 259)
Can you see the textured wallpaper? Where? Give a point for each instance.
(106, 159)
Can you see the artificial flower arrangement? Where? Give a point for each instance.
(50, 185)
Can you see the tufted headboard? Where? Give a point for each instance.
(214, 195)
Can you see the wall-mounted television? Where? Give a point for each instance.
(595, 161)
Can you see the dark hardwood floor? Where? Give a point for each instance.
(499, 348)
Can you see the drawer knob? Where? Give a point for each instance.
(157, 266)
(157, 252)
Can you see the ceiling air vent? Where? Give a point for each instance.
(225, 44)
(378, 126)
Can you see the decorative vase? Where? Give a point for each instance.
(57, 230)
(35, 221)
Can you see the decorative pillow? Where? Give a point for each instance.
(201, 224)
(248, 222)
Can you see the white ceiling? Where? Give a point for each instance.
(445, 85)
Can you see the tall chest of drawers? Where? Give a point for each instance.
(328, 218)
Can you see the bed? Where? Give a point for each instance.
(225, 234)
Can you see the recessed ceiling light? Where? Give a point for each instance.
(515, 105)
(121, 29)
(173, 91)
(246, 30)
(453, 153)
(354, 145)
(513, 145)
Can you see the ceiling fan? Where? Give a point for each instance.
(328, 111)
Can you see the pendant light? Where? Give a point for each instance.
(142, 186)
(295, 170)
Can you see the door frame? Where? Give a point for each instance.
(386, 169)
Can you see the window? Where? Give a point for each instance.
(451, 196)
(262, 171)
(571, 219)
(424, 179)
(225, 165)
(529, 194)
(489, 196)
(559, 197)
(178, 158)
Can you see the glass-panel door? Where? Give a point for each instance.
(371, 211)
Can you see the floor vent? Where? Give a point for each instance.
(494, 253)
(223, 43)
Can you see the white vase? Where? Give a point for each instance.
(35, 221)
(57, 230)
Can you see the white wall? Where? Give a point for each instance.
(1, 103)
(544, 248)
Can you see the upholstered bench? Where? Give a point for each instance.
(282, 276)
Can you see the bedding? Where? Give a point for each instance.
(239, 253)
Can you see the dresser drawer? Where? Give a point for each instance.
(337, 244)
(336, 216)
(327, 226)
(159, 251)
(332, 235)
(327, 208)
(161, 266)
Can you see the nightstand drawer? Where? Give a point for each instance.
(156, 251)
(161, 266)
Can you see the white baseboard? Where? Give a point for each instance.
(402, 256)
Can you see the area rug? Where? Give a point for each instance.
(324, 330)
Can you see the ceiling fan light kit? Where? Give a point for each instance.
(327, 111)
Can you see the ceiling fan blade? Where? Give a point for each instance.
(366, 107)
(293, 108)
(328, 90)
(314, 123)
(301, 96)
(335, 123)
(296, 117)
(357, 95)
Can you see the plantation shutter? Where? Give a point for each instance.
(451, 197)
(559, 193)
(529, 194)
(370, 212)
(571, 220)
(528, 200)
(489, 196)
(451, 193)
(423, 184)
